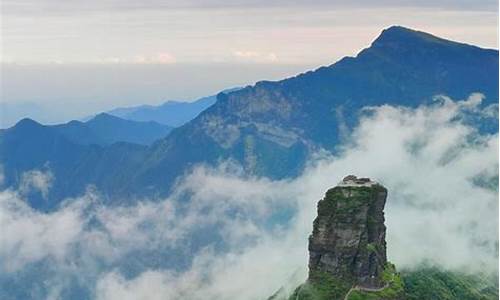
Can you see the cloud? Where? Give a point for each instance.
(36, 180)
(86, 239)
(165, 58)
(255, 56)
(2, 176)
(27, 236)
(246, 54)
(244, 237)
(255, 274)
(158, 58)
(427, 157)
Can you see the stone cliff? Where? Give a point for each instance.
(347, 248)
(348, 239)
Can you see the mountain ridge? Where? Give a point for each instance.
(329, 93)
(272, 127)
(172, 113)
(103, 130)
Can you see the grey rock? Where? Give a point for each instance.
(348, 239)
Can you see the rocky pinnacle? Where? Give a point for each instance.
(348, 238)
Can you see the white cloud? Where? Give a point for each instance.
(162, 58)
(427, 158)
(255, 56)
(165, 58)
(27, 236)
(246, 54)
(2, 176)
(36, 180)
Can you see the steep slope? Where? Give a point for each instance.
(272, 128)
(105, 129)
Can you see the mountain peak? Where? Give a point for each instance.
(104, 116)
(402, 35)
(399, 29)
(27, 123)
(347, 248)
(350, 228)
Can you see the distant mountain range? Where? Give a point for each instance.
(105, 129)
(102, 130)
(270, 128)
(171, 113)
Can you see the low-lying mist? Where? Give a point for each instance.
(226, 235)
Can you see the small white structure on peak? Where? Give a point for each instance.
(351, 180)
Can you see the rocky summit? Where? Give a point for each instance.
(348, 239)
(347, 248)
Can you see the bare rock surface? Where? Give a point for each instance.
(348, 239)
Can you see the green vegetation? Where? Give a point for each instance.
(337, 203)
(433, 283)
(322, 286)
(429, 283)
(394, 290)
(371, 247)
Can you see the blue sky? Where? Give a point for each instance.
(73, 58)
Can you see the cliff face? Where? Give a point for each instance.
(348, 239)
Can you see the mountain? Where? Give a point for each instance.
(171, 113)
(347, 255)
(105, 129)
(272, 128)
(347, 248)
(30, 145)
(350, 228)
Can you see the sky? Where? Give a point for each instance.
(65, 60)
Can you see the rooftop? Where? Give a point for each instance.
(351, 180)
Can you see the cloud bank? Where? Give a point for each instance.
(224, 235)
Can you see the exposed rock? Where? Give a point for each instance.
(349, 178)
(348, 239)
